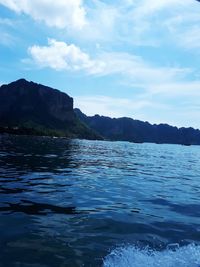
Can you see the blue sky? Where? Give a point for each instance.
(134, 58)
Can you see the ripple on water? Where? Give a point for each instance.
(96, 196)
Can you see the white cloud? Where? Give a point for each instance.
(146, 22)
(190, 38)
(158, 85)
(61, 13)
(182, 27)
(149, 8)
(139, 22)
(111, 106)
(61, 56)
(177, 89)
(157, 22)
(137, 70)
(103, 22)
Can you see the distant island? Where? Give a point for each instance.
(127, 129)
(34, 109)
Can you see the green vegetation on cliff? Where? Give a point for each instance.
(31, 108)
(127, 129)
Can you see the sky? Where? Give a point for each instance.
(133, 58)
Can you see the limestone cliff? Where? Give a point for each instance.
(34, 106)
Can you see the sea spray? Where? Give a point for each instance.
(131, 256)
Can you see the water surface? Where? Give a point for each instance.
(94, 203)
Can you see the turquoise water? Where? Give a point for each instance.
(94, 203)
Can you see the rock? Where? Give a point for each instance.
(40, 109)
(127, 129)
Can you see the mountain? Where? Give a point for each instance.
(35, 109)
(28, 107)
(127, 129)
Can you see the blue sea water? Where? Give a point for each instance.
(95, 203)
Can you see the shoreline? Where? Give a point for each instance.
(29, 133)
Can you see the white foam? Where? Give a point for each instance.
(188, 256)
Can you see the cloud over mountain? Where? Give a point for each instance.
(60, 14)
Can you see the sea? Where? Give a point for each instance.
(98, 203)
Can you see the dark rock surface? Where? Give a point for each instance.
(38, 108)
(127, 129)
(22, 100)
(31, 108)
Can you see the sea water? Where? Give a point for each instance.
(188, 256)
(95, 203)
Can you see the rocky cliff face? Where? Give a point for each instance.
(127, 129)
(21, 99)
(30, 105)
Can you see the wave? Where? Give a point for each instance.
(131, 256)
